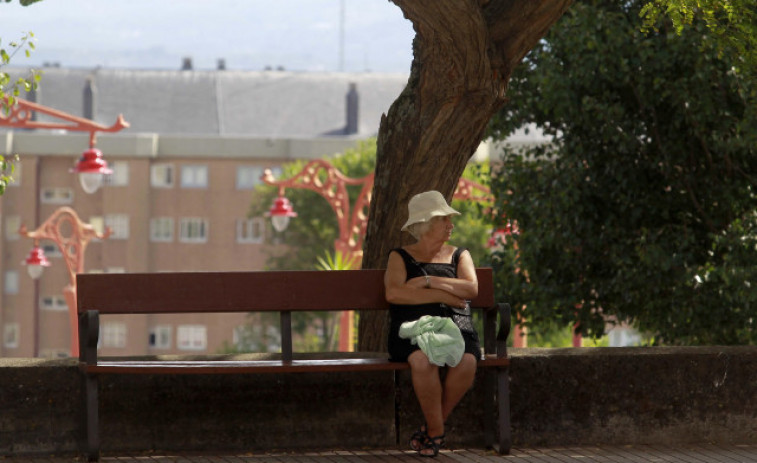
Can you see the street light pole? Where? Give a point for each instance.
(322, 177)
(326, 180)
(91, 167)
(71, 235)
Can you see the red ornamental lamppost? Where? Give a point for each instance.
(325, 179)
(64, 227)
(91, 167)
(71, 235)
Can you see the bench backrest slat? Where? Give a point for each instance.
(126, 293)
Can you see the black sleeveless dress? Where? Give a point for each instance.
(400, 349)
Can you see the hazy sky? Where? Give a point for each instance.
(248, 34)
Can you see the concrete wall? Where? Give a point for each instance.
(634, 395)
(558, 397)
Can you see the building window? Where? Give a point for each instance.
(193, 230)
(160, 337)
(250, 230)
(11, 333)
(161, 175)
(12, 224)
(98, 224)
(50, 249)
(194, 176)
(114, 334)
(120, 175)
(119, 226)
(248, 177)
(54, 353)
(191, 337)
(11, 282)
(57, 196)
(161, 229)
(53, 303)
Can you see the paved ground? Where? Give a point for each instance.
(600, 454)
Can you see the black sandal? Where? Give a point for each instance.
(418, 438)
(434, 444)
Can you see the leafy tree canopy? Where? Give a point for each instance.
(7, 166)
(9, 90)
(732, 22)
(644, 209)
(24, 2)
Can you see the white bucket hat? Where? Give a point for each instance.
(424, 206)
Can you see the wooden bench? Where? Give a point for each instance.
(284, 292)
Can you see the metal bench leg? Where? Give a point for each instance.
(92, 418)
(503, 408)
(490, 422)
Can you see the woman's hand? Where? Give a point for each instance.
(454, 301)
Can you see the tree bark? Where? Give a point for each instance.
(464, 52)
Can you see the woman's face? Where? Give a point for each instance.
(440, 228)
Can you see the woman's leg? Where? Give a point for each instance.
(428, 389)
(459, 379)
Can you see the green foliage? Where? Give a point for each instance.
(473, 226)
(643, 210)
(733, 23)
(259, 334)
(557, 337)
(24, 2)
(336, 261)
(313, 232)
(7, 167)
(13, 89)
(26, 43)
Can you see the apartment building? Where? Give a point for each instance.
(178, 198)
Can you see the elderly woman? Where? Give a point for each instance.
(431, 277)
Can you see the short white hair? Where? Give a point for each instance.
(418, 229)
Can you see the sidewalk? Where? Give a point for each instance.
(595, 454)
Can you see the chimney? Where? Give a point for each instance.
(186, 63)
(352, 110)
(90, 95)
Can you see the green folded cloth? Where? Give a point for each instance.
(438, 337)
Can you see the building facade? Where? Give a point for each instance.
(182, 209)
(178, 199)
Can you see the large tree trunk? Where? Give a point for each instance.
(463, 54)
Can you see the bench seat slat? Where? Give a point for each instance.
(190, 367)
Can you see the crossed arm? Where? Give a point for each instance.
(450, 291)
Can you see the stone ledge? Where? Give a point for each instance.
(669, 395)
